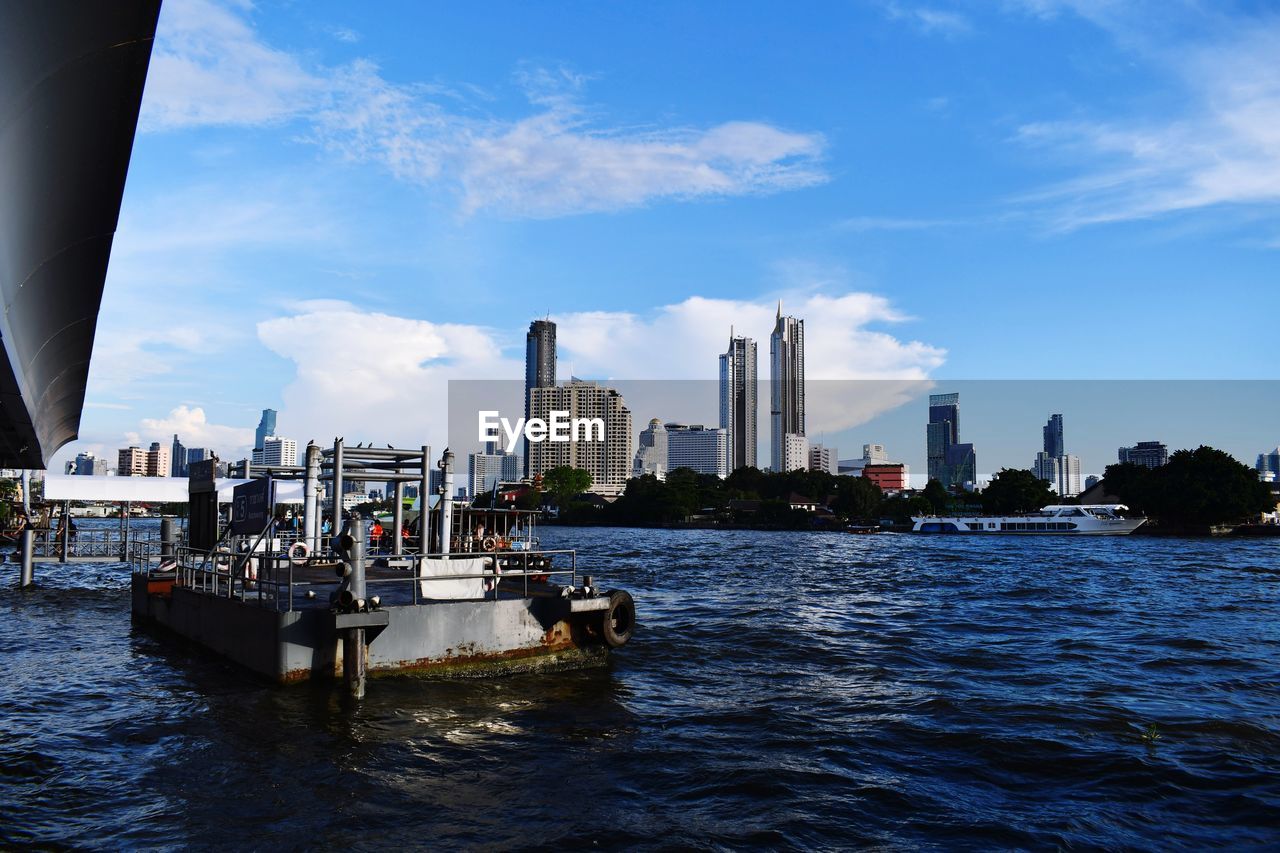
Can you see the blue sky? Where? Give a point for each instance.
(334, 208)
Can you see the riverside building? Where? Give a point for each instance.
(1150, 454)
(539, 369)
(700, 448)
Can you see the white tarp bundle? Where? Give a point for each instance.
(454, 588)
(71, 487)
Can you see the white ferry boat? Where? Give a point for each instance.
(1087, 520)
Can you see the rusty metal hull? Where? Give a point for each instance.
(447, 639)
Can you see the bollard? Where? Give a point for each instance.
(168, 539)
(28, 573)
(353, 646)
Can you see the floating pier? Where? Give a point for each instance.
(454, 591)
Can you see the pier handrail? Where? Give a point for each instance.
(269, 578)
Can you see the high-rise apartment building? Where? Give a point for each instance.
(608, 461)
(1054, 465)
(1269, 462)
(1062, 473)
(276, 452)
(795, 452)
(651, 451)
(157, 461)
(266, 427)
(486, 470)
(786, 392)
(197, 454)
(539, 368)
(131, 462)
(700, 448)
(738, 401)
(1151, 454)
(177, 459)
(823, 458)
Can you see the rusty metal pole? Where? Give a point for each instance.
(353, 645)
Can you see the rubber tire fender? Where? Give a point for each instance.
(619, 620)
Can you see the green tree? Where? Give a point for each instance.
(1132, 484)
(936, 494)
(1207, 486)
(1016, 490)
(565, 482)
(857, 497)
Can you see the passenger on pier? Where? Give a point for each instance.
(375, 534)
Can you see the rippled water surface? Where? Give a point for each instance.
(782, 689)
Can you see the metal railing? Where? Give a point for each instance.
(112, 545)
(270, 578)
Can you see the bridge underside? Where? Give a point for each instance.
(71, 79)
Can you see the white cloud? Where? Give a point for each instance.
(682, 341)
(1222, 148)
(930, 20)
(211, 67)
(373, 376)
(195, 431)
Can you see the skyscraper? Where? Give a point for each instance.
(1054, 465)
(942, 432)
(266, 427)
(786, 393)
(539, 368)
(177, 459)
(1054, 445)
(738, 401)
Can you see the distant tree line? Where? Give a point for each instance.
(1205, 486)
(1197, 487)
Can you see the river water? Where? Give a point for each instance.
(781, 690)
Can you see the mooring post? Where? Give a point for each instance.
(310, 499)
(168, 539)
(353, 648)
(124, 536)
(424, 500)
(26, 543)
(397, 518)
(337, 486)
(64, 532)
(446, 501)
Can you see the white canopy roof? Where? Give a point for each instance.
(72, 487)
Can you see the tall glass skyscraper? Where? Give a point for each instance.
(738, 401)
(786, 394)
(1054, 446)
(539, 366)
(266, 427)
(942, 432)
